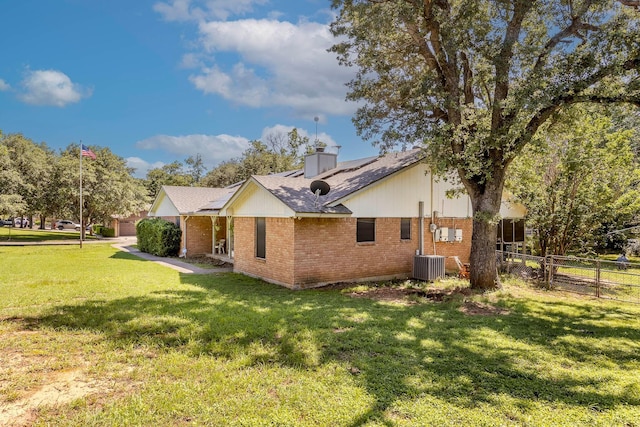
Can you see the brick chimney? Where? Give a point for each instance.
(319, 162)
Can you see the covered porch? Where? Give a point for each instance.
(207, 234)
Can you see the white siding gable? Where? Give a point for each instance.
(255, 201)
(399, 195)
(163, 206)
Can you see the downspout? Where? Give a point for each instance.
(184, 233)
(432, 226)
(421, 227)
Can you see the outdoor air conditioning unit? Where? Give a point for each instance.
(428, 267)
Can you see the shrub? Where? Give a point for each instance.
(158, 236)
(108, 232)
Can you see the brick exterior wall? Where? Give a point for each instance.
(278, 264)
(307, 252)
(449, 249)
(199, 235)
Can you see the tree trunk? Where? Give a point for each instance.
(486, 207)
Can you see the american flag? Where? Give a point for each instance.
(86, 152)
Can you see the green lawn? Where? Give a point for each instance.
(11, 234)
(122, 341)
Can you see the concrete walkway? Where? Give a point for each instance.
(176, 264)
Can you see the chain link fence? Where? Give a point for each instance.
(599, 278)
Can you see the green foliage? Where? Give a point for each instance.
(170, 174)
(25, 173)
(475, 80)
(37, 181)
(109, 187)
(196, 167)
(578, 181)
(158, 236)
(108, 232)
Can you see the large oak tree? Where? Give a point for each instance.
(474, 81)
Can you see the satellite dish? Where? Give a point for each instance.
(319, 187)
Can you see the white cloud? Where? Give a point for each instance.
(4, 86)
(51, 87)
(213, 148)
(280, 64)
(188, 10)
(191, 60)
(141, 166)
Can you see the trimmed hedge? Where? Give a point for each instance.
(158, 237)
(104, 231)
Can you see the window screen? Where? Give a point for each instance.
(366, 230)
(261, 238)
(405, 228)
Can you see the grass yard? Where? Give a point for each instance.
(11, 234)
(97, 337)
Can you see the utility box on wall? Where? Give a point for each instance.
(442, 234)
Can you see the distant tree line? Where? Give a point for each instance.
(38, 182)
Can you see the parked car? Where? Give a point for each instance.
(65, 224)
(20, 222)
(6, 222)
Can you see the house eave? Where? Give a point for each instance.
(321, 215)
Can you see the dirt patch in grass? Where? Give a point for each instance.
(50, 380)
(412, 295)
(206, 261)
(57, 388)
(404, 294)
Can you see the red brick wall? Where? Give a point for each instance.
(448, 249)
(277, 266)
(326, 251)
(199, 235)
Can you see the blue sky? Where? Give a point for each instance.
(160, 80)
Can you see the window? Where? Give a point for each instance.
(366, 230)
(405, 228)
(261, 238)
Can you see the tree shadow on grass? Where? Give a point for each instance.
(395, 352)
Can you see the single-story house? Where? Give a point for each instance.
(332, 221)
(191, 209)
(126, 225)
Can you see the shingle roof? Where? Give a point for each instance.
(189, 199)
(347, 178)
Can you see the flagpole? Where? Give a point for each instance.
(80, 194)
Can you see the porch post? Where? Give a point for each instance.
(213, 235)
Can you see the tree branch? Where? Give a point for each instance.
(468, 79)
(631, 3)
(502, 61)
(573, 28)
